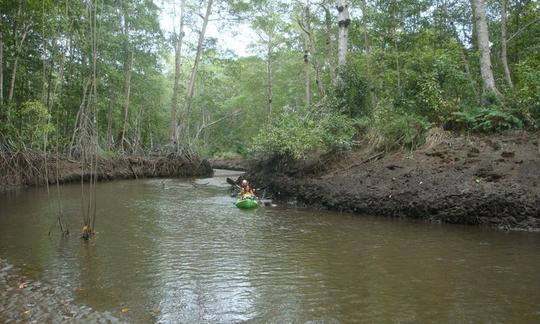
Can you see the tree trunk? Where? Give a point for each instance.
(483, 45)
(18, 49)
(504, 58)
(127, 89)
(329, 43)
(312, 51)
(398, 68)
(367, 50)
(343, 23)
(269, 78)
(15, 63)
(1, 69)
(109, 137)
(177, 65)
(306, 56)
(194, 71)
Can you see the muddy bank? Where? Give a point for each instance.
(30, 301)
(480, 180)
(229, 164)
(34, 170)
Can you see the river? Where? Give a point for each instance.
(173, 250)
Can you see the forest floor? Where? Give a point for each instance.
(29, 170)
(491, 179)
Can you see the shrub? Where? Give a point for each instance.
(337, 131)
(290, 136)
(35, 123)
(486, 119)
(527, 93)
(392, 127)
(287, 136)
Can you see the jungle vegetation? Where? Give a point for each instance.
(322, 75)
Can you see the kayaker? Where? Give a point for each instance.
(246, 191)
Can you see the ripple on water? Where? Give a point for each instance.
(179, 251)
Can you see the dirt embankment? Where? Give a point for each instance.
(492, 180)
(229, 164)
(34, 170)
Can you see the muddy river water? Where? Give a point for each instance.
(177, 250)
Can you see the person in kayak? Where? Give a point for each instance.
(246, 191)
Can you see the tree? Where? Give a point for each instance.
(177, 65)
(266, 24)
(504, 55)
(482, 34)
(343, 22)
(195, 69)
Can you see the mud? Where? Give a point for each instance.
(23, 300)
(31, 171)
(229, 164)
(479, 180)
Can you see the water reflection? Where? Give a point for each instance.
(179, 251)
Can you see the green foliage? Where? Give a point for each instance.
(431, 98)
(7, 128)
(337, 131)
(527, 94)
(486, 119)
(408, 68)
(392, 127)
(290, 136)
(34, 123)
(351, 96)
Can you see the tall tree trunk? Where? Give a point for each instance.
(109, 137)
(504, 58)
(483, 45)
(329, 43)
(18, 49)
(1, 69)
(127, 93)
(343, 23)
(195, 69)
(307, 76)
(367, 50)
(464, 58)
(269, 81)
(128, 62)
(44, 60)
(398, 68)
(306, 26)
(15, 64)
(177, 65)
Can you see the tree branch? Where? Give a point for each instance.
(522, 29)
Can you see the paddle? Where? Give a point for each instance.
(232, 183)
(266, 202)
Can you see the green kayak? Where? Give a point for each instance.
(246, 203)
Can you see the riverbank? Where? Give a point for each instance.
(482, 180)
(35, 170)
(238, 164)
